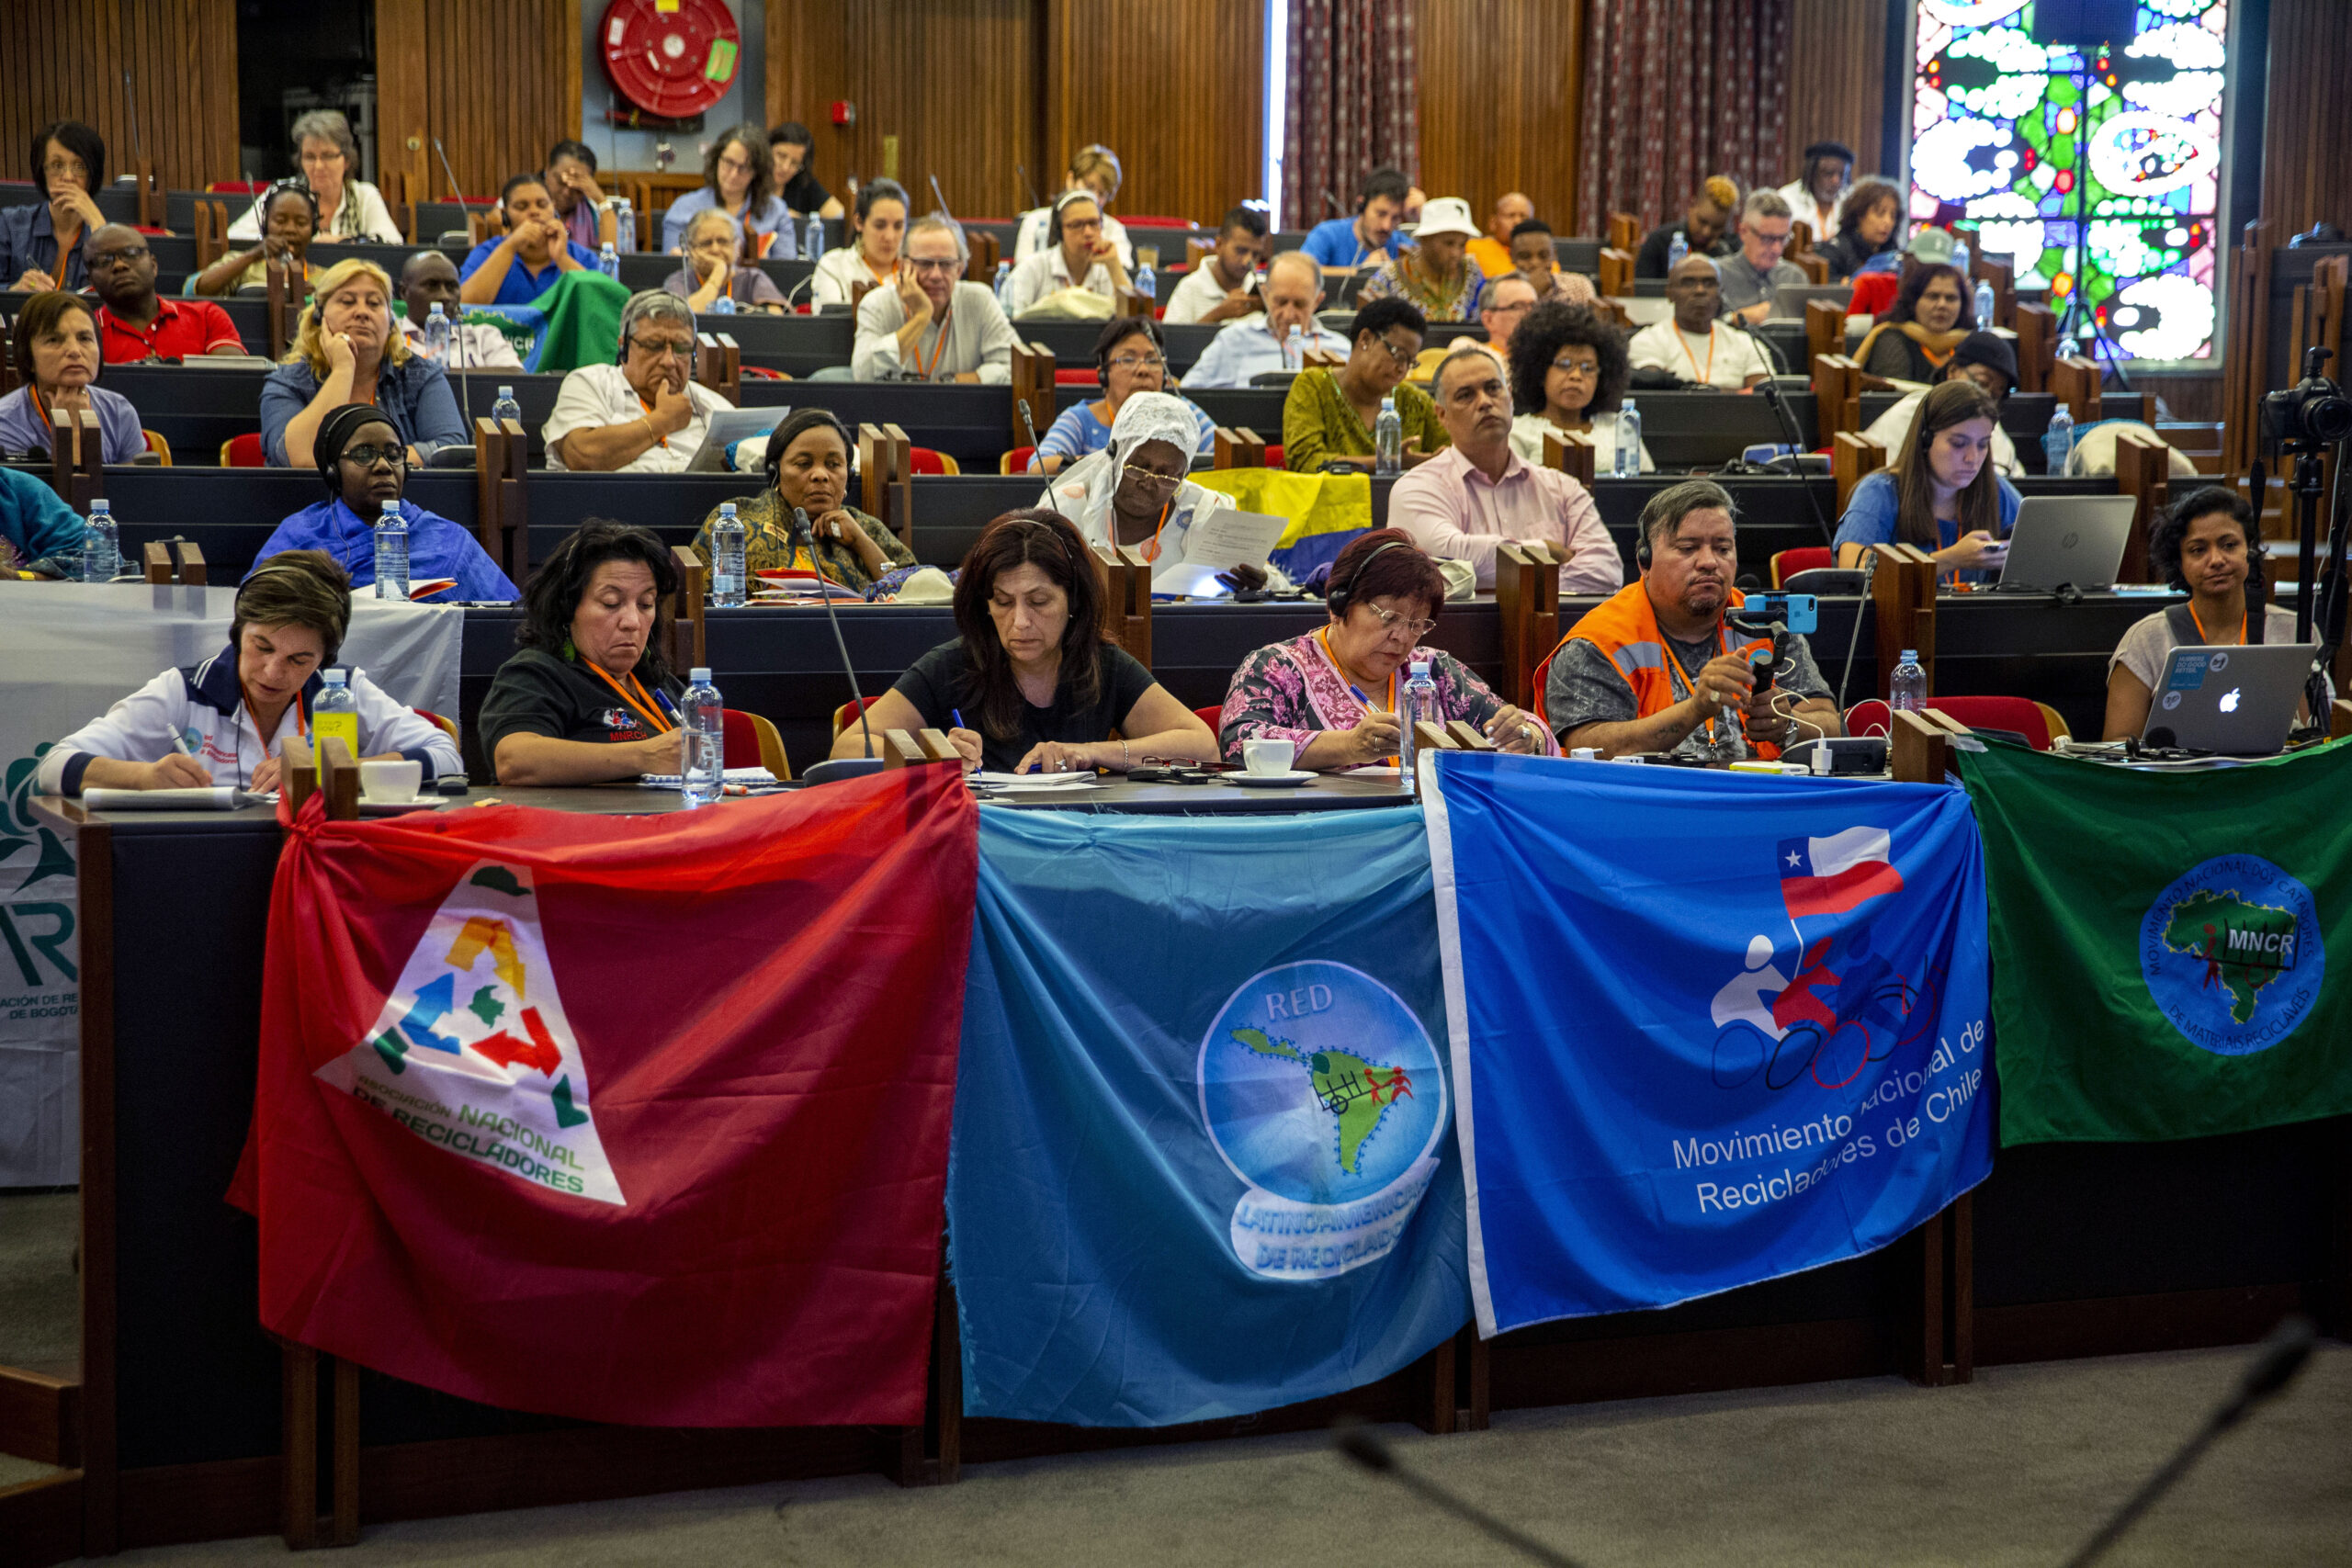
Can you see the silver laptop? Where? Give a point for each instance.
(2067, 540)
(727, 427)
(2234, 701)
(1790, 298)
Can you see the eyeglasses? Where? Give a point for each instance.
(368, 456)
(1134, 362)
(66, 168)
(1080, 225)
(655, 348)
(124, 257)
(1775, 241)
(1390, 620)
(1585, 368)
(1401, 356)
(735, 165)
(924, 265)
(1151, 477)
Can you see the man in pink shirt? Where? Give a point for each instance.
(1468, 499)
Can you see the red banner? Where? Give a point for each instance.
(628, 1119)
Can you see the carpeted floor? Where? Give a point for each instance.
(40, 1324)
(2012, 1470)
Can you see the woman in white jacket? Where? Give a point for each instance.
(219, 722)
(349, 208)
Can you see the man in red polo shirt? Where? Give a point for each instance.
(134, 324)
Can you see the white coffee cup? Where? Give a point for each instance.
(1267, 759)
(389, 784)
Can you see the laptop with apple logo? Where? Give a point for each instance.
(2232, 701)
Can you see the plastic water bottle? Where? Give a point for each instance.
(391, 553)
(1415, 705)
(704, 721)
(1907, 689)
(1677, 249)
(437, 336)
(101, 547)
(1985, 305)
(1388, 439)
(727, 559)
(1295, 348)
(2058, 441)
(1959, 252)
(723, 306)
(815, 246)
(1004, 280)
(506, 408)
(624, 223)
(609, 262)
(1147, 282)
(1626, 462)
(335, 714)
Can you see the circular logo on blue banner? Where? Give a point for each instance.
(1324, 1093)
(2232, 954)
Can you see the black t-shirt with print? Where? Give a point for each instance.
(940, 682)
(538, 693)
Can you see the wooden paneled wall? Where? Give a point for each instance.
(1175, 87)
(1837, 79)
(1500, 82)
(2308, 125)
(959, 83)
(498, 83)
(64, 60)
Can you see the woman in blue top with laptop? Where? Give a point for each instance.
(1941, 493)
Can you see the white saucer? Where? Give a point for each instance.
(1290, 779)
(400, 807)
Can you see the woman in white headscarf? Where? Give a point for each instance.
(1134, 491)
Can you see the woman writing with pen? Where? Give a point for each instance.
(588, 698)
(1333, 692)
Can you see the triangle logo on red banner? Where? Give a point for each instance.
(472, 1052)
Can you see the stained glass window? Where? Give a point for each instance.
(2002, 127)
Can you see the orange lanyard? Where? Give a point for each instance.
(642, 702)
(301, 723)
(648, 425)
(1708, 374)
(923, 367)
(1149, 549)
(1688, 683)
(2206, 637)
(1325, 635)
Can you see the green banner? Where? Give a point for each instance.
(2160, 942)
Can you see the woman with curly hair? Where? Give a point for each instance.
(1869, 224)
(1568, 363)
(1930, 317)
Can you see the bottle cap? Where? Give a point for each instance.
(699, 675)
(503, 392)
(1420, 669)
(392, 508)
(1910, 656)
(335, 675)
(726, 509)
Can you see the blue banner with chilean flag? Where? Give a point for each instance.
(1707, 1028)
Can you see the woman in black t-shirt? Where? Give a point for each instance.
(588, 698)
(1031, 683)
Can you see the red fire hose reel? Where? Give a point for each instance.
(671, 58)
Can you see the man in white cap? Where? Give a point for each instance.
(1134, 491)
(1436, 276)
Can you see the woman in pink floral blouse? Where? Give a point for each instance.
(1333, 692)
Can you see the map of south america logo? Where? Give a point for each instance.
(1323, 1093)
(2232, 954)
(472, 1053)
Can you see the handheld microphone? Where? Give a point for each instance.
(805, 537)
(2274, 1366)
(1364, 1446)
(1772, 392)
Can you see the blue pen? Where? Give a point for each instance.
(957, 714)
(662, 699)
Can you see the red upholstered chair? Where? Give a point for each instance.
(2037, 722)
(1873, 292)
(1211, 716)
(760, 373)
(243, 452)
(1016, 461)
(846, 714)
(1081, 377)
(437, 722)
(751, 741)
(1275, 455)
(1785, 563)
(923, 461)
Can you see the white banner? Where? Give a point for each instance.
(67, 653)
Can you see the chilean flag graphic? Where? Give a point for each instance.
(1829, 876)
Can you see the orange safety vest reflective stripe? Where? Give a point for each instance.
(1624, 627)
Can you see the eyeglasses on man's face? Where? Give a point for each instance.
(99, 261)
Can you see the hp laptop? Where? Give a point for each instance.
(2074, 540)
(2232, 702)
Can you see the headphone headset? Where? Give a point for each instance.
(1338, 596)
(773, 463)
(1054, 223)
(628, 332)
(330, 651)
(1148, 327)
(300, 188)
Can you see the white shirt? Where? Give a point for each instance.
(1049, 270)
(1197, 295)
(1029, 238)
(474, 346)
(142, 727)
(1719, 356)
(1528, 431)
(1082, 493)
(1892, 430)
(1801, 204)
(978, 338)
(837, 274)
(362, 215)
(595, 396)
(1243, 348)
